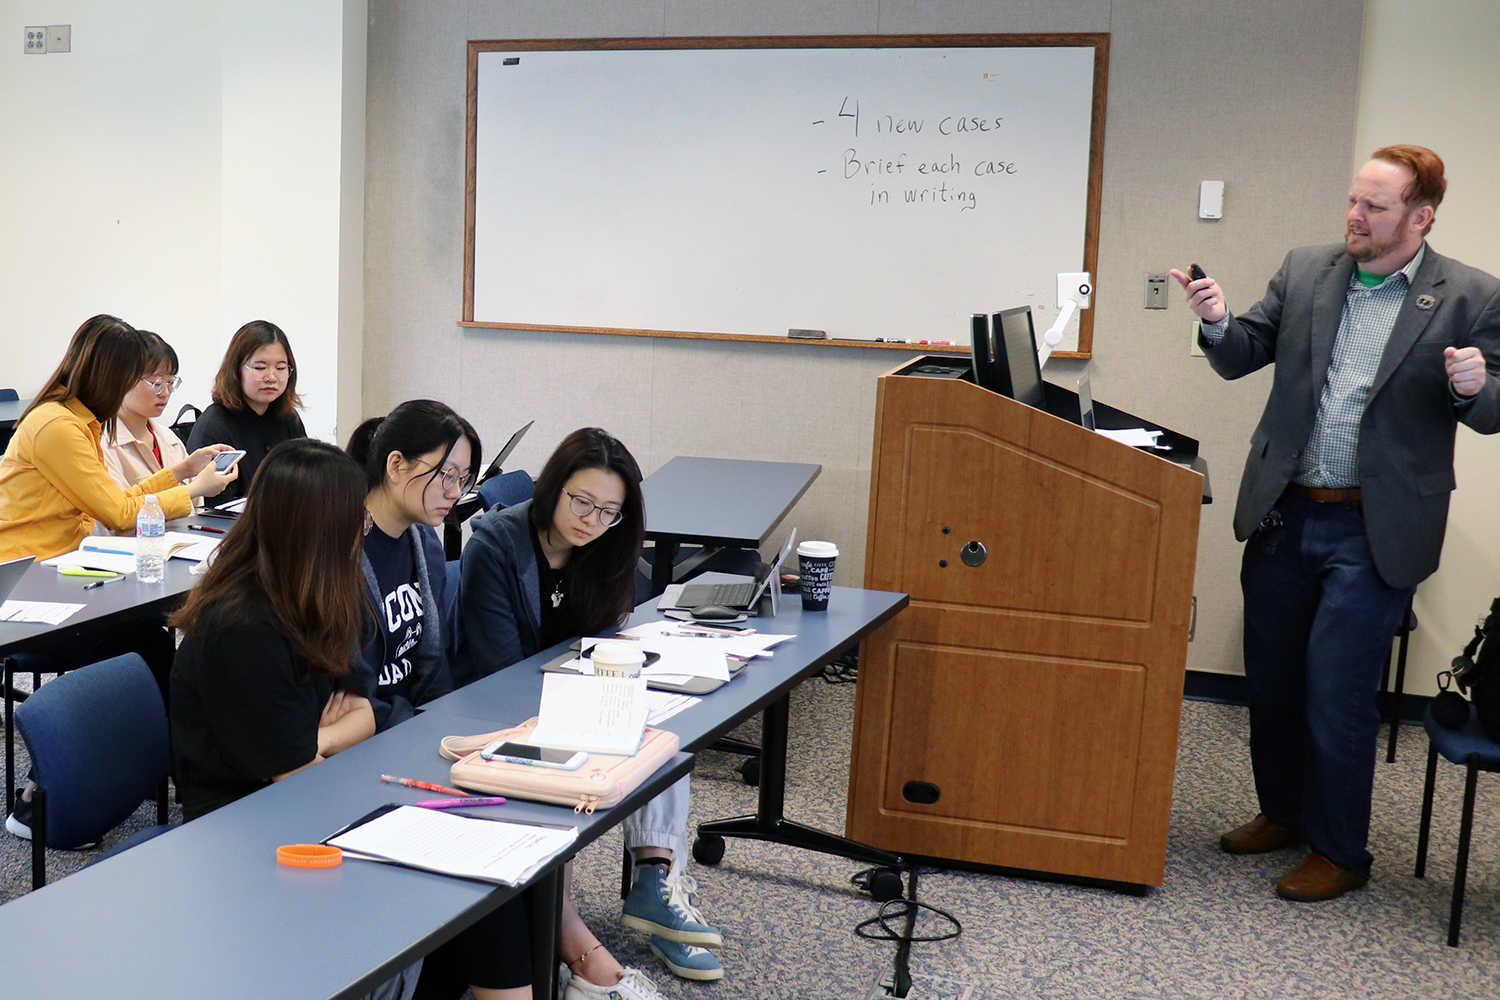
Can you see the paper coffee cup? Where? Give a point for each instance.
(617, 659)
(815, 567)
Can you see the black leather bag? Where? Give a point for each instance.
(1476, 671)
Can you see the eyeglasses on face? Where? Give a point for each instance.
(164, 386)
(450, 478)
(260, 368)
(583, 506)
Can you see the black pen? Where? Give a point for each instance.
(100, 583)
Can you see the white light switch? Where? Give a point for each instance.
(1211, 200)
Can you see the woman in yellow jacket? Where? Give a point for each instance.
(53, 481)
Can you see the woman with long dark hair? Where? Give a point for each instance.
(255, 399)
(55, 486)
(257, 685)
(563, 565)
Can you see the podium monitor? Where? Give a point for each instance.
(1005, 358)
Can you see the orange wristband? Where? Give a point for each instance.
(309, 855)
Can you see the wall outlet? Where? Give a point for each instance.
(1196, 351)
(36, 40)
(60, 38)
(1156, 291)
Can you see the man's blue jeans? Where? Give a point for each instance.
(1319, 622)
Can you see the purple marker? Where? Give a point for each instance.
(495, 800)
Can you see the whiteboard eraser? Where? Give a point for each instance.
(1211, 200)
(807, 334)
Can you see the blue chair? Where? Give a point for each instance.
(34, 664)
(9, 396)
(99, 747)
(1471, 748)
(505, 490)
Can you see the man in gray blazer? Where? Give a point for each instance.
(1382, 347)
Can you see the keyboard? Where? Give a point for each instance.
(732, 595)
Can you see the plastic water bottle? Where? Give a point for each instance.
(150, 529)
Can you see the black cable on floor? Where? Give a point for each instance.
(901, 908)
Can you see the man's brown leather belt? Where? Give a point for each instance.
(1352, 495)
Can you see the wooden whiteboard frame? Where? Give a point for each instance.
(1099, 42)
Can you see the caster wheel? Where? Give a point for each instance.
(750, 771)
(708, 849)
(885, 885)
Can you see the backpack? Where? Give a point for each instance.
(1476, 671)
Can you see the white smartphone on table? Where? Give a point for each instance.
(525, 753)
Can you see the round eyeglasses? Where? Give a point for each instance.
(583, 506)
(449, 479)
(164, 386)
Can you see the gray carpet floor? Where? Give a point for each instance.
(1213, 930)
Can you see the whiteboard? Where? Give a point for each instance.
(870, 192)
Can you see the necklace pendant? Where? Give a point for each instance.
(557, 598)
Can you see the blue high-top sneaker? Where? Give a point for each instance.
(661, 904)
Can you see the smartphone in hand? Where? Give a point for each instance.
(225, 459)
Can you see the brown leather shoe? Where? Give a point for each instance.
(1258, 836)
(1317, 879)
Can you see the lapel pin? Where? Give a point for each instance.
(1426, 301)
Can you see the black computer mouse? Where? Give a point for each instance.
(716, 612)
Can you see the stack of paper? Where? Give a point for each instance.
(685, 654)
(593, 714)
(38, 612)
(1136, 437)
(435, 840)
(116, 554)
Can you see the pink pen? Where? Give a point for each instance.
(494, 800)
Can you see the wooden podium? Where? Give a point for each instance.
(1023, 711)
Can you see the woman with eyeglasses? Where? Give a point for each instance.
(255, 400)
(419, 461)
(563, 565)
(141, 443)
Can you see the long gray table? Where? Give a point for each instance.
(717, 503)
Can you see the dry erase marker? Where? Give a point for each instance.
(113, 552)
(204, 527)
(473, 800)
(84, 571)
(426, 786)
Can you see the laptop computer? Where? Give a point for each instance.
(11, 573)
(743, 595)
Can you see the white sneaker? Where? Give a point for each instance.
(633, 985)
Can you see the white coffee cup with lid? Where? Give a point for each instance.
(617, 659)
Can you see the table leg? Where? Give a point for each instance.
(769, 823)
(661, 566)
(544, 902)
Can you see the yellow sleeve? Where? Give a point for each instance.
(66, 454)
